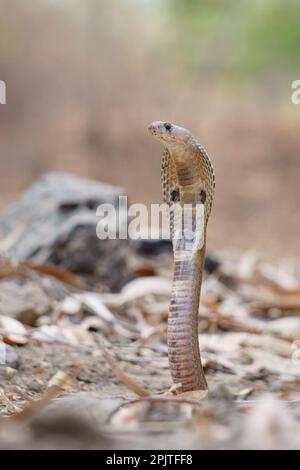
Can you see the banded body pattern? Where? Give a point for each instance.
(187, 181)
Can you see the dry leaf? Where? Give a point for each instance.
(12, 330)
(71, 334)
(139, 288)
(70, 305)
(95, 304)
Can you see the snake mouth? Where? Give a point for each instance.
(152, 129)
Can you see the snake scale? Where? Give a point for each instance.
(188, 181)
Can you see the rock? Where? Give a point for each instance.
(154, 247)
(25, 301)
(8, 356)
(75, 422)
(211, 263)
(54, 222)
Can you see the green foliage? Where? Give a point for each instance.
(272, 40)
(238, 37)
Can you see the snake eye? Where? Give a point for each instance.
(167, 126)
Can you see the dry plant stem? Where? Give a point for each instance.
(52, 392)
(128, 381)
(187, 179)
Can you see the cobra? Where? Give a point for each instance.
(188, 180)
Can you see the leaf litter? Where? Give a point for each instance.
(113, 346)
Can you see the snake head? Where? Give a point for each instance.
(169, 134)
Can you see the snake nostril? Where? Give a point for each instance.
(151, 128)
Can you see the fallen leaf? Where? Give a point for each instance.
(70, 305)
(139, 288)
(12, 330)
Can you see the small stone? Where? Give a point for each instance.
(9, 372)
(8, 356)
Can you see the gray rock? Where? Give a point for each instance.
(76, 421)
(54, 222)
(25, 301)
(8, 356)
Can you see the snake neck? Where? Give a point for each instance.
(183, 344)
(188, 168)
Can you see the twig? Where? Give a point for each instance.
(123, 377)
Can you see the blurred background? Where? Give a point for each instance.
(84, 78)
